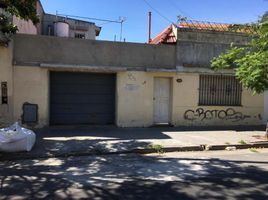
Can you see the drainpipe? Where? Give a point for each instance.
(149, 27)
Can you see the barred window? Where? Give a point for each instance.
(219, 90)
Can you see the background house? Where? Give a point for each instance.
(54, 25)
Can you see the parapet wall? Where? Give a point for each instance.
(196, 48)
(35, 50)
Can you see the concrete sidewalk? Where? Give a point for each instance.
(67, 141)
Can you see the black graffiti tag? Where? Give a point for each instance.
(202, 114)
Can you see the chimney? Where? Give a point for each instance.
(149, 27)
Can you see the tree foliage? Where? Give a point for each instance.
(23, 9)
(250, 62)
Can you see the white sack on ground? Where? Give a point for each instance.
(16, 138)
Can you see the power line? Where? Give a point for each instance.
(179, 9)
(106, 21)
(159, 13)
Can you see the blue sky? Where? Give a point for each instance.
(136, 13)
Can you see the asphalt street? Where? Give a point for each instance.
(241, 174)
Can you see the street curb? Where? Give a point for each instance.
(171, 149)
(27, 156)
(237, 146)
(204, 148)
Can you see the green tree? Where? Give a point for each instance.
(250, 62)
(23, 9)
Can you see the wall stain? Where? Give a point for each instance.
(201, 114)
(131, 77)
(132, 87)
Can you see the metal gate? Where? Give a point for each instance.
(82, 98)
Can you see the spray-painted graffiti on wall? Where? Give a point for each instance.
(202, 114)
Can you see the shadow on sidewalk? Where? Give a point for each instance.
(82, 140)
(133, 133)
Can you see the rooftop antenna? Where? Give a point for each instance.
(56, 15)
(55, 26)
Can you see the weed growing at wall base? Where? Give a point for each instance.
(242, 142)
(254, 150)
(157, 148)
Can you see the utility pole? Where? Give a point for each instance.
(149, 27)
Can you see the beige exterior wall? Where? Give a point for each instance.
(135, 103)
(6, 73)
(134, 99)
(31, 85)
(134, 92)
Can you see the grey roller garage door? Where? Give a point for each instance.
(82, 98)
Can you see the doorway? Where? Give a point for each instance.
(162, 91)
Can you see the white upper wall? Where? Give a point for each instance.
(26, 27)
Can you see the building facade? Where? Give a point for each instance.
(126, 84)
(48, 81)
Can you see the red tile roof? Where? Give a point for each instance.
(169, 37)
(166, 36)
(205, 26)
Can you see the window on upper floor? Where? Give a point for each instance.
(219, 90)
(80, 35)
